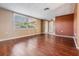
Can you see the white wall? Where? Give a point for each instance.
(51, 27)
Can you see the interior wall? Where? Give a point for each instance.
(76, 24)
(64, 25)
(75, 20)
(7, 30)
(48, 27)
(51, 27)
(44, 26)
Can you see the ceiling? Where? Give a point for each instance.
(37, 9)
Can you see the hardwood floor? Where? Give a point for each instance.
(39, 45)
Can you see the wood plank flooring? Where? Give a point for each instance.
(39, 45)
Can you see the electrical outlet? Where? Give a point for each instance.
(61, 30)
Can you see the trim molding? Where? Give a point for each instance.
(76, 42)
(18, 37)
(77, 47)
(74, 38)
(63, 35)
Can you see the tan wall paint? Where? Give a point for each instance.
(44, 26)
(7, 30)
(76, 24)
(75, 19)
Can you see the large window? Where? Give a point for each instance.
(23, 22)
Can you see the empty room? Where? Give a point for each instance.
(39, 29)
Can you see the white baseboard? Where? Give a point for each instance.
(59, 35)
(64, 36)
(74, 38)
(42, 33)
(76, 43)
(17, 37)
(77, 47)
